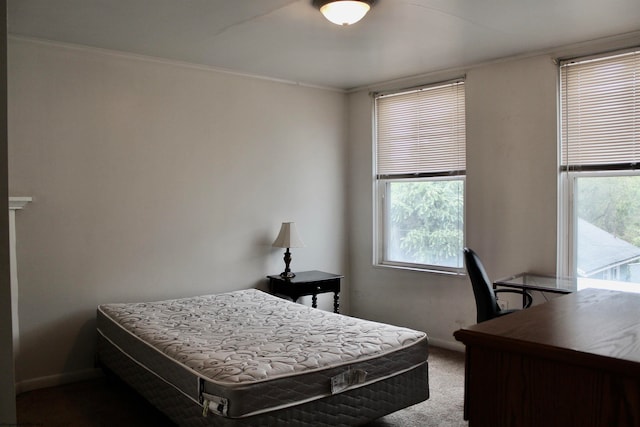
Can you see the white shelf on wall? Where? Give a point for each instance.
(19, 202)
(15, 203)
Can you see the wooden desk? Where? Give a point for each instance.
(573, 361)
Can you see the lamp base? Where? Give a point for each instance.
(287, 274)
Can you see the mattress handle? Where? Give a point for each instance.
(216, 404)
(220, 404)
(347, 379)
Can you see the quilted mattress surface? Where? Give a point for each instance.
(256, 351)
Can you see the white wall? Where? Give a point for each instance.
(155, 180)
(512, 165)
(511, 193)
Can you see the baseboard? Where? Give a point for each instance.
(449, 345)
(58, 379)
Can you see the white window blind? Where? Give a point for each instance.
(600, 125)
(421, 132)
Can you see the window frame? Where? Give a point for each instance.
(380, 254)
(569, 173)
(381, 200)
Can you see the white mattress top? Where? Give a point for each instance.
(250, 335)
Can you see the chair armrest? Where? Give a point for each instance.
(527, 295)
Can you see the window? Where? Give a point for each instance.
(600, 151)
(420, 172)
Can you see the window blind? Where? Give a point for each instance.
(600, 112)
(421, 132)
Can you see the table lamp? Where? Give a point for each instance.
(288, 238)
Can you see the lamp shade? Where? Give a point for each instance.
(288, 237)
(343, 12)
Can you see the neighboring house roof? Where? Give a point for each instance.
(599, 250)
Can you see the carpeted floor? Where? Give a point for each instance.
(445, 405)
(100, 402)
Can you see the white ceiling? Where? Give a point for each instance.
(290, 40)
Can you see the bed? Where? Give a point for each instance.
(248, 358)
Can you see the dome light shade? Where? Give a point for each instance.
(343, 12)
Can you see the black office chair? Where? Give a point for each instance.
(486, 301)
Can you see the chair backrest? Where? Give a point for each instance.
(486, 303)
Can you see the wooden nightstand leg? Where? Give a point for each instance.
(336, 302)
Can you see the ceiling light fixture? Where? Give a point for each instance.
(343, 12)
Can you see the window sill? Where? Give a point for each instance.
(451, 272)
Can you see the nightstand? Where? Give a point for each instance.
(307, 283)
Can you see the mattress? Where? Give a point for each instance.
(247, 354)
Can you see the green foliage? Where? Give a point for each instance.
(611, 203)
(427, 221)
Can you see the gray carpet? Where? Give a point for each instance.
(107, 403)
(444, 408)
